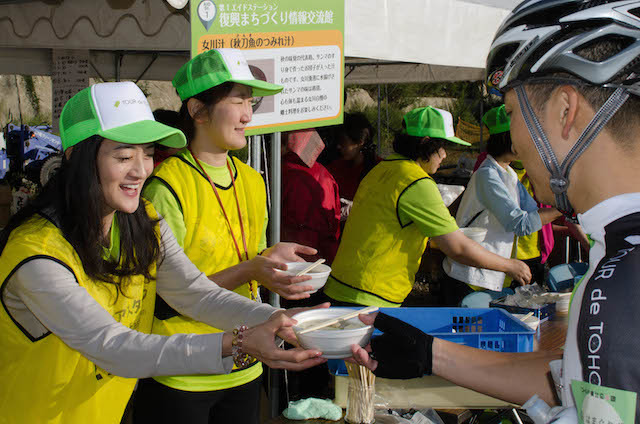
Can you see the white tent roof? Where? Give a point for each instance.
(402, 40)
(438, 32)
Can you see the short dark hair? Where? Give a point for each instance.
(417, 147)
(621, 125)
(167, 117)
(357, 127)
(209, 98)
(499, 144)
(73, 200)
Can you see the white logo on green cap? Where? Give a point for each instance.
(115, 110)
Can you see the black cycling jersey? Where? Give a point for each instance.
(609, 324)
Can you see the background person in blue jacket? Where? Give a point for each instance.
(496, 201)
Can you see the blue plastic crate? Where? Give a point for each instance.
(488, 329)
(563, 277)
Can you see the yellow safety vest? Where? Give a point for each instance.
(44, 380)
(377, 254)
(528, 246)
(209, 245)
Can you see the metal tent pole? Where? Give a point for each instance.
(276, 210)
(379, 121)
(118, 58)
(276, 195)
(255, 154)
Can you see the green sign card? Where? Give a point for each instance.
(297, 44)
(599, 404)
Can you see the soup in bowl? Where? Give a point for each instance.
(335, 341)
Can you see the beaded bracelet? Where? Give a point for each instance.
(240, 359)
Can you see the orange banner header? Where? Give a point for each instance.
(270, 40)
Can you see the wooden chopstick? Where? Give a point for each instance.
(344, 317)
(524, 318)
(310, 267)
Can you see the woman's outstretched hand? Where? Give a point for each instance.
(265, 268)
(265, 271)
(288, 252)
(286, 333)
(260, 342)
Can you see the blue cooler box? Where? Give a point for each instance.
(563, 277)
(488, 329)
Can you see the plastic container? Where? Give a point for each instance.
(563, 277)
(360, 403)
(543, 313)
(488, 329)
(562, 304)
(541, 413)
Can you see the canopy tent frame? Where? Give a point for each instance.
(383, 44)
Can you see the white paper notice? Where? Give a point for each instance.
(69, 75)
(311, 77)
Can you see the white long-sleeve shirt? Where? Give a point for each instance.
(43, 296)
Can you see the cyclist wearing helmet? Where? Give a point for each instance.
(569, 73)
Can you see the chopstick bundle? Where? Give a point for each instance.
(360, 399)
(341, 318)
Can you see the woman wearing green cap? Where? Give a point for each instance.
(216, 207)
(80, 267)
(494, 200)
(397, 208)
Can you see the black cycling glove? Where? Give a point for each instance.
(402, 351)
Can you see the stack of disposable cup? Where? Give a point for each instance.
(562, 303)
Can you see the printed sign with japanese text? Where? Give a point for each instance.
(293, 43)
(69, 75)
(598, 404)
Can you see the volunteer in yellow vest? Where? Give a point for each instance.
(397, 208)
(497, 202)
(216, 207)
(79, 270)
(533, 248)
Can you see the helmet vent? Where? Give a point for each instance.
(593, 3)
(545, 16)
(604, 48)
(635, 12)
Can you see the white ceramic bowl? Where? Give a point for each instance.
(319, 274)
(334, 344)
(476, 234)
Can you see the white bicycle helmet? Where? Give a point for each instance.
(544, 41)
(542, 37)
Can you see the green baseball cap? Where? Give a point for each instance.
(497, 120)
(214, 67)
(431, 122)
(118, 111)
